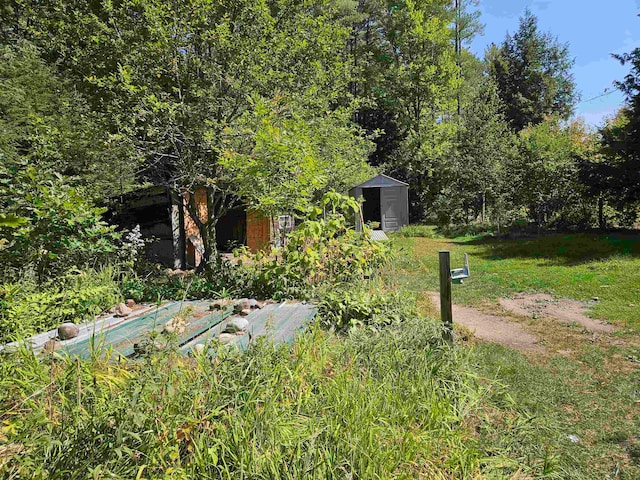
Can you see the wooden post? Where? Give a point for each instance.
(445, 295)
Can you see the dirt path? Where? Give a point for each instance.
(564, 310)
(502, 330)
(492, 328)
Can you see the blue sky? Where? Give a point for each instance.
(594, 29)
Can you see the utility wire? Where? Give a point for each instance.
(606, 93)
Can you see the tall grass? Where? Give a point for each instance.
(394, 404)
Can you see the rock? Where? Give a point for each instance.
(244, 312)
(131, 302)
(242, 304)
(574, 438)
(226, 337)
(236, 324)
(254, 304)
(219, 304)
(67, 331)
(122, 310)
(198, 348)
(51, 345)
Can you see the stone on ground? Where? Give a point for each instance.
(67, 331)
(122, 310)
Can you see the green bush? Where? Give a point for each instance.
(221, 280)
(63, 231)
(350, 306)
(427, 231)
(323, 250)
(467, 230)
(27, 308)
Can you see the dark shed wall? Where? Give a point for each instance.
(152, 209)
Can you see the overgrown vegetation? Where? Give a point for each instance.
(280, 106)
(392, 404)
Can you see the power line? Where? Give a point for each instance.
(606, 93)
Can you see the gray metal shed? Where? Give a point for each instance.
(386, 200)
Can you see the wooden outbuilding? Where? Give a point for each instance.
(172, 235)
(385, 202)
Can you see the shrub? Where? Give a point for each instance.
(351, 306)
(323, 250)
(223, 279)
(427, 231)
(26, 308)
(62, 231)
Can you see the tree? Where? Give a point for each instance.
(533, 74)
(46, 124)
(545, 174)
(213, 94)
(406, 53)
(484, 149)
(621, 140)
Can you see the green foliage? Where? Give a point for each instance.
(208, 98)
(322, 250)
(27, 309)
(410, 231)
(222, 280)
(408, 80)
(616, 172)
(344, 307)
(47, 124)
(376, 405)
(533, 74)
(484, 149)
(282, 159)
(64, 230)
(545, 175)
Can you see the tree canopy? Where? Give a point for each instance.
(533, 73)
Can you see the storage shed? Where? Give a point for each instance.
(386, 201)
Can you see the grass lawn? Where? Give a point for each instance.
(582, 385)
(579, 266)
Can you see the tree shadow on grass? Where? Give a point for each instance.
(563, 249)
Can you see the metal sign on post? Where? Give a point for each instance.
(447, 276)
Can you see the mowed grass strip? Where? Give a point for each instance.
(580, 266)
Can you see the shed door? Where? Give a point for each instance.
(391, 207)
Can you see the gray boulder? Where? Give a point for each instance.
(254, 304)
(51, 345)
(219, 304)
(67, 331)
(236, 324)
(242, 304)
(226, 337)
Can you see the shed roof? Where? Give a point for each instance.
(382, 180)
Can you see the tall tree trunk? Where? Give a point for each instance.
(210, 255)
(601, 220)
